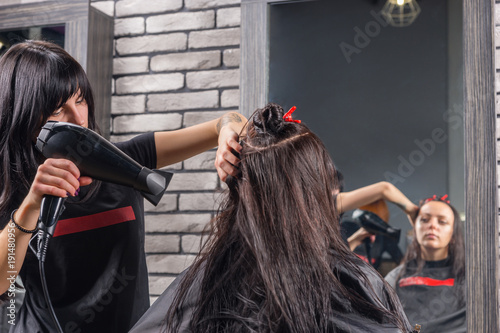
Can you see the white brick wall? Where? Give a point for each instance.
(183, 101)
(199, 4)
(214, 38)
(149, 83)
(176, 64)
(186, 61)
(181, 21)
(130, 65)
(228, 17)
(173, 264)
(128, 104)
(231, 58)
(138, 7)
(151, 43)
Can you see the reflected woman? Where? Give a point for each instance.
(430, 281)
(275, 260)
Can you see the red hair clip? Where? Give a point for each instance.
(435, 198)
(288, 116)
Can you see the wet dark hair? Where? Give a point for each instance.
(456, 250)
(37, 78)
(273, 260)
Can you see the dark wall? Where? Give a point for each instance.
(375, 94)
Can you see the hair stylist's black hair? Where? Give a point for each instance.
(274, 258)
(37, 78)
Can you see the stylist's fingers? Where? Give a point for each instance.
(226, 160)
(57, 177)
(84, 181)
(224, 169)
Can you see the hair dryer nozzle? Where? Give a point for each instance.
(374, 224)
(157, 181)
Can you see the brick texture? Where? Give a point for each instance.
(149, 83)
(176, 64)
(162, 243)
(230, 98)
(149, 122)
(177, 222)
(231, 58)
(129, 26)
(228, 17)
(186, 61)
(138, 7)
(128, 104)
(183, 101)
(151, 43)
(174, 263)
(181, 21)
(214, 38)
(199, 4)
(192, 243)
(213, 79)
(130, 65)
(203, 161)
(158, 284)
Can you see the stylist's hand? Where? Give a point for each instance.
(412, 213)
(57, 177)
(356, 239)
(226, 162)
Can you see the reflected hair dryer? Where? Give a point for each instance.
(100, 159)
(372, 223)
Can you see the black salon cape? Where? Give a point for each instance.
(428, 299)
(96, 270)
(341, 322)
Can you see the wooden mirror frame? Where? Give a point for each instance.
(481, 227)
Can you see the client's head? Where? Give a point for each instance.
(284, 190)
(273, 260)
(438, 235)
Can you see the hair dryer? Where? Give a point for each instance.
(372, 223)
(98, 158)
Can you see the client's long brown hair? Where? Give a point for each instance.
(271, 261)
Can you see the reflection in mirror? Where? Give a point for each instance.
(54, 34)
(386, 101)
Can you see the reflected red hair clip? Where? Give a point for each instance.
(435, 198)
(288, 116)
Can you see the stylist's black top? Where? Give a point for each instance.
(95, 267)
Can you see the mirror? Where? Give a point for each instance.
(388, 90)
(383, 99)
(54, 34)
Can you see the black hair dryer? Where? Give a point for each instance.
(100, 159)
(372, 223)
